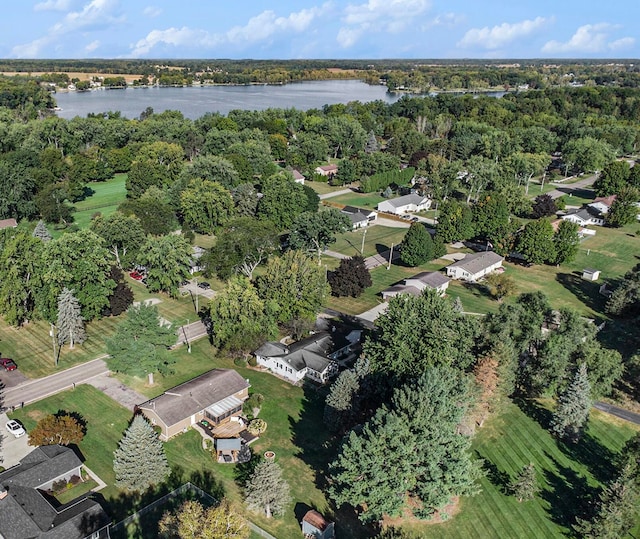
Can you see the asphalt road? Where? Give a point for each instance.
(34, 390)
(562, 189)
(191, 332)
(618, 412)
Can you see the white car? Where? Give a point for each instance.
(15, 428)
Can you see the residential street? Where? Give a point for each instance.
(618, 412)
(35, 390)
(562, 189)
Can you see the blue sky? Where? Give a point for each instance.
(320, 29)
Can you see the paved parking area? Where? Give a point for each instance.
(13, 449)
(195, 290)
(12, 378)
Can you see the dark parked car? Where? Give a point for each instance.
(8, 364)
(204, 285)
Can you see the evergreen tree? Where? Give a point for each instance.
(266, 491)
(350, 278)
(417, 246)
(41, 232)
(412, 449)
(340, 405)
(573, 407)
(140, 461)
(525, 486)
(70, 324)
(615, 515)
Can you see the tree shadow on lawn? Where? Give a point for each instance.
(585, 291)
(598, 458)
(146, 527)
(317, 448)
(498, 478)
(569, 495)
(535, 411)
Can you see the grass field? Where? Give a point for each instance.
(361, 200)
(322, 188)
(377, 239)
(105, 199)
(511, 439)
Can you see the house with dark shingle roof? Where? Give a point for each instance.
(314, 357)
(417, 283)
(315, 526)
(584, 216)
(215, 396)
(27, 511)
(359, 217)
(475, 266)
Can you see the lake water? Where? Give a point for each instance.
(195, 101)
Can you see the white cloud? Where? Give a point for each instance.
(623, 43)
(498, 36)
(262, 27)
(92, 46)
(95, 15)
(375, 16)
(590, 38)
(152, 11)
(53, 5)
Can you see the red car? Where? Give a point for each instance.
(137, 276)
(8, 364)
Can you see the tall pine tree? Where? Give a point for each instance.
(411, 450)
(615, 514)
(70, 323)
(140, 461)
(525, 486)
(266, 491)
(573, 407)
(340, 406)
(41, 231)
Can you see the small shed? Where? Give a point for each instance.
(315, 526)
(227, 449)
(590, 274)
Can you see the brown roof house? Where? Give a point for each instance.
(315, 526)
(27, 511)
(475, 266)
(215, 396)
(8, 223)
(327, 170)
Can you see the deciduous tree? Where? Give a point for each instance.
(315, 231)
(296, 284)
(61, 428)
(283, 199)
(566, 241)
(139, 345)
(500, 285)
(123, 235)
(167, 259)
(535, 242)
(612, 179)
(350, 278)
(193, 521)
(239, 319)
(139, 461)
(624, 211)
(543, 206)
(205, 205)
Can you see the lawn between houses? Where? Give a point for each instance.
(509, 440)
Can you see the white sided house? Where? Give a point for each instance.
(585, 216)
(475, 266)
(404, 204)
(297, 176)
(359, 217)
(314, 357)
(415, 285)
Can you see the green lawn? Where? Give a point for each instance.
(377, 238)
(294, 417)
(565, 476)
(105, 199)
(360, 200)
(322, 188)
(105, 419)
